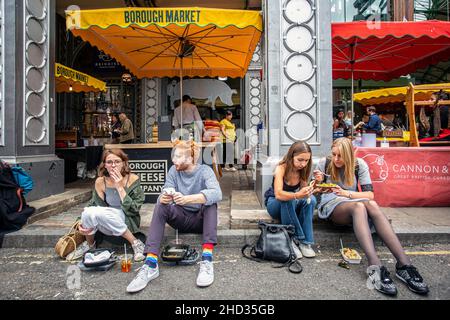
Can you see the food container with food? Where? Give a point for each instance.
(326, 185)
(351, 255)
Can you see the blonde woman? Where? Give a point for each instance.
(346, 205)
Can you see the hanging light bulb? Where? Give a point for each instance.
(70, 88)
(222, 78)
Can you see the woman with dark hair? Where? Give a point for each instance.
(114, 207)
(346, 205)
(339, 124)
(290, 198)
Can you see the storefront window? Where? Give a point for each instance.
(99, 107)
(357, 10)
(226, 95)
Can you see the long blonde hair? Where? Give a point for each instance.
(348, 156)
(288, 160)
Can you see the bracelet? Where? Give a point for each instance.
(349, 194)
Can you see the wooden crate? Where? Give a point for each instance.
(394, 133)
(66, 136)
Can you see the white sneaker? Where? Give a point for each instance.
(144, 276)
(79, 252)
(138, 249)
(225, 169)
(307, 251)
(206, 274)
(297, 251)
(233, 169)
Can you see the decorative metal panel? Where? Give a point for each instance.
(299, 112)
(254, 104)
(151, 103)
(36, 72)
(257, 58)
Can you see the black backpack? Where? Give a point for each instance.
(14, 212)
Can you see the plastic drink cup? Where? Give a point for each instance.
(126, 265)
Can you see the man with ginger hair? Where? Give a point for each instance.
(191, 207)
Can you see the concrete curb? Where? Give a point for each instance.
(47, 238)
(57, 204)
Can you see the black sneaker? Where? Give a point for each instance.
(411, 277)
(379, 279)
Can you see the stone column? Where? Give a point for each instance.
(298, 81)
(27, 112)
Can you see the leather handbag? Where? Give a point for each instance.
(69, 242)
(274, 244)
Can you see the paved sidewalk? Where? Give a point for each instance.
(239, 212)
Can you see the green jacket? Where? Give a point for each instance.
(131, 205)
(127, 131)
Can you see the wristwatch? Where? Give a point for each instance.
(349, 194)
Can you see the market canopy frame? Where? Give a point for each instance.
(159, 42)
(398, 94)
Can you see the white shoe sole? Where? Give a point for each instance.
(134, 290)
(309, 255)
(205, 284)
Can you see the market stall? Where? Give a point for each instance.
(170, 42)
(408, 102)
(422, 171)
(386, 50)
(68, 143)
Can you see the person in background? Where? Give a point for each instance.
(346, 205)
(374, 124)
(339, 124)
(192, 122)
(348, 119)
(290, 198)
(114, 208)
(228, 138)
(115, 128)
(191, 208)
(126, 131)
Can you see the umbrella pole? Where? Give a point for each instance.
(352, 105)
(181, 96)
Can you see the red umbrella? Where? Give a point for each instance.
(387, 50)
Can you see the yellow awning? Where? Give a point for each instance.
(151, 41)
(398, 94)
(79, 81)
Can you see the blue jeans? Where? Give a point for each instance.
(296, 212)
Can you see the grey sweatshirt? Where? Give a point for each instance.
(201, 180)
